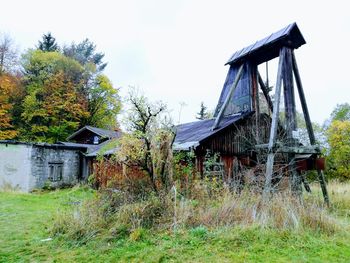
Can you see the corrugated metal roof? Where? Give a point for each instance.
(268, 48)
(192, 134)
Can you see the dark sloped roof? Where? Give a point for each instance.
(91, 149)
(98, 131)
(192, 134)
(268, 48)
(94, 151)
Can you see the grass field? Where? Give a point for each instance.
(25, 220)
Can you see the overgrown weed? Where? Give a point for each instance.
(121, 215)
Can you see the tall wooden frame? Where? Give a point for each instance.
(280, 44)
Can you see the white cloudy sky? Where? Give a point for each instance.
(175, 50)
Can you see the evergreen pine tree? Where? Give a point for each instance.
(48, 43)
(202, 114)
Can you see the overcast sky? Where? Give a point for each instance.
(175, 51)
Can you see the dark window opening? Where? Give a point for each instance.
(55, 172)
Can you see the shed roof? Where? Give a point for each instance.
(98, 131)
(192, 134)
(92, 150)
(58, 145)
(268, 48)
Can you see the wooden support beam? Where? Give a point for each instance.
(265, 92)
(323, 186)
(303, 101)
(289, 99)
(257, 103)
(290, 122)
(295, 180)
(306, 184)
(291, 149)
(228, 97)
(310, 130)
(274, 125)
(294, 111)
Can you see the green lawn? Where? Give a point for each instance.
(25, 219)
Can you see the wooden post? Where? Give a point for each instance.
(309, 125)
(291, 125)
(323, 186)
(257, 103)
(289, 94)
(306, 184)
(303, 101)
(265, 92)
(274, 125)
(229, 95)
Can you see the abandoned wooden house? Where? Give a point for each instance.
(27, 166)
(93, 139)
(241, 133)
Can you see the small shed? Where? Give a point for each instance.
(93, 139)
(26, 166)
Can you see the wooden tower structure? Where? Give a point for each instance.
(240, 94)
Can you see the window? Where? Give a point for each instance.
(96, 140)
(55, 172)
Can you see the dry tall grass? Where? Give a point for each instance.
(282, 211)
(339, 194)
(121, 214)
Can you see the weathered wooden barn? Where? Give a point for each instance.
(240, 131)
(234, 140)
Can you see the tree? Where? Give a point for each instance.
(39, 66)
(103, 100)
(149, 142)
(8, 86)
(337, 130)
(341, 112)
(48, 43)
(76, 79)
(54, 110)
(303, 134)
(339, 156)
(65, 107)
(103, 104)
(8, 55)
(53, 106)
(202, 114)
(85, 53)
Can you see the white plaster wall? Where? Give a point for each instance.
(15, 165)
(41, 157)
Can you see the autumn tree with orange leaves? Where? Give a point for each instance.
(8, 86)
